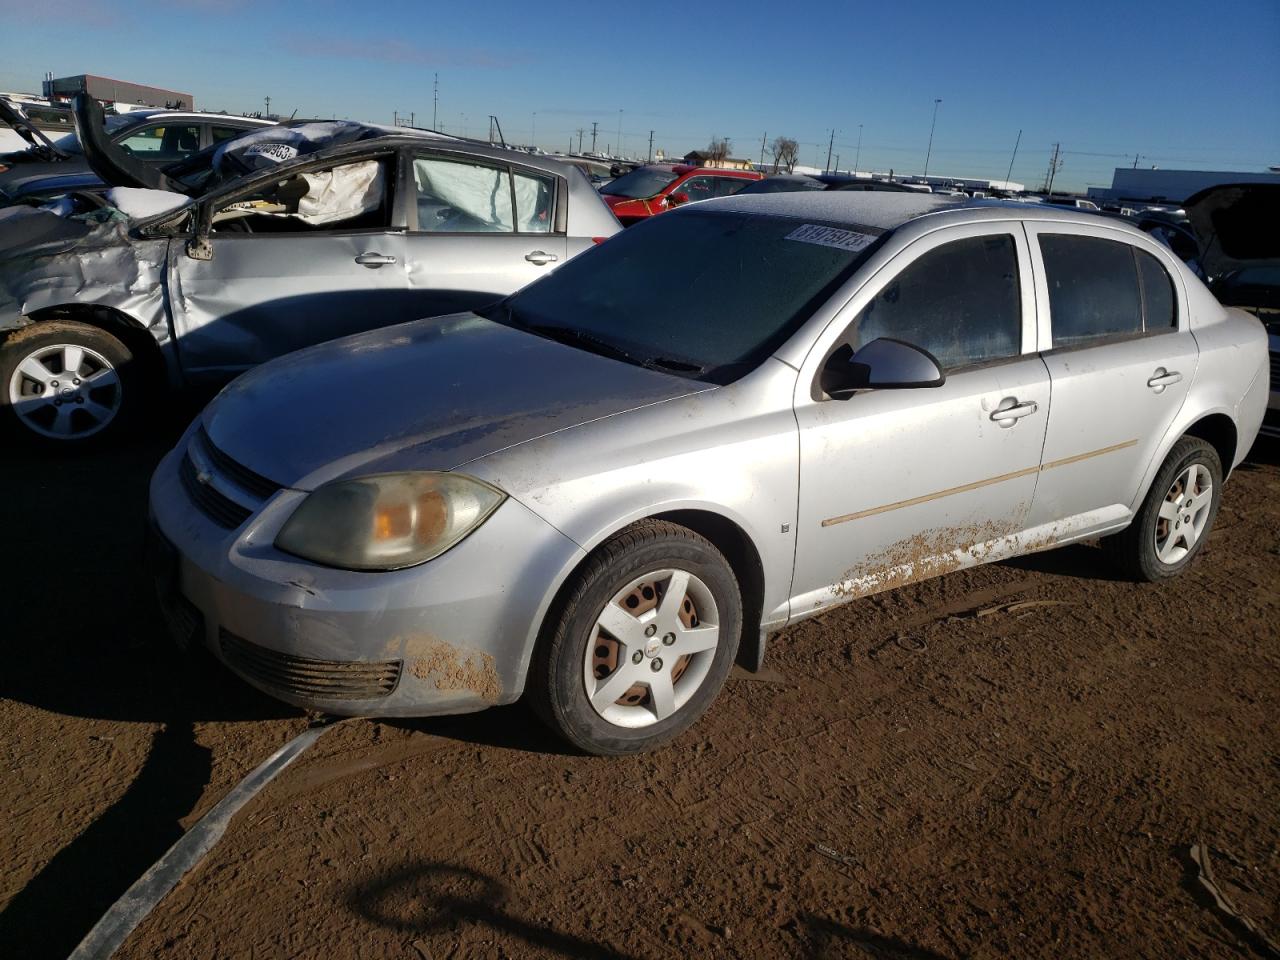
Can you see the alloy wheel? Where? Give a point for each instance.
(65, 391)
(1184, 513)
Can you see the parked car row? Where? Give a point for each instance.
(602, 489)
(192, 275)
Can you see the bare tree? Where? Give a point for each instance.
(717, 150)
(785, 153)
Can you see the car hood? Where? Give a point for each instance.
(1236, 225)
(13, 116)
(428, 395)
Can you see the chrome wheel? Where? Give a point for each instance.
(1184, 513)
(652, 647)
(65, 391)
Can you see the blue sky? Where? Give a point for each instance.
(1181, 84)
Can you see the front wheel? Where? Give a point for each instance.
(641, 643)
(64, 383)
(1174, 520)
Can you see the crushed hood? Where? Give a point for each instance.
(1236, 225)
(428, 395)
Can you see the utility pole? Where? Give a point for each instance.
(1009, 175)
(650, 160)
(929, 152)
(837, 166)
(580, 132)
(830, 143)
(1055, 165)
(533, 130)
(1136, 158)
(858, 158)
(268, 102)
(593, 135)
(762, 142)
(619, 131)
(435, 101)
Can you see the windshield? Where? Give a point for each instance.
(639, 184)
(70, 143)
(703, 294)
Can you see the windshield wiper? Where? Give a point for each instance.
(595, 344)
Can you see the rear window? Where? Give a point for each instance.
(639, 184)
(708, 293)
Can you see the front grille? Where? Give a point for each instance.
(218, 508)
(304, 677)
(242, 476)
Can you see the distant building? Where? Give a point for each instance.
(1129, 185)
(116, 91)
(700, 158)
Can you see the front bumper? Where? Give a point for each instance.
(452, 635)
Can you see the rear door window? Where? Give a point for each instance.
(961, 301)
(459, 196)
(1158, 305)
(163, 143)
(535, 202)
(1093, 289)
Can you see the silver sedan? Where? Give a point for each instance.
(608, 488)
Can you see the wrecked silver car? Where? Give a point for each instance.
(580, 495)
(278, 239)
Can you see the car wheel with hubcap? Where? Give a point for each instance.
(641, 642)
(1174, 520)
(64, 382)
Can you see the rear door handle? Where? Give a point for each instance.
(541, 257)
(1010, 411)
(374, 260)
(1163, 378)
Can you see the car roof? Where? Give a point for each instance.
(891, 210)
(144, 115)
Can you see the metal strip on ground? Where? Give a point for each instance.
(140, 899)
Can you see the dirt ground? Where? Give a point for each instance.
(930, 773)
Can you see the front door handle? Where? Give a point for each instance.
(1010, 411)
(541, 257)
(1163, 378)
(374, 260)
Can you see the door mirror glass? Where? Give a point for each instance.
(882, 364)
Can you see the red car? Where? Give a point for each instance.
(651, 189)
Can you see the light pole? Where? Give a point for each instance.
(619, 141)
(533, 130)
(858, 158)
(929, 152)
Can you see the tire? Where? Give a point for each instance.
(626, 583)
(1156, 548)
(44, 402)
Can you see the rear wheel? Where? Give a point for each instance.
(642, 642)
(1174, 520)
(66, 383)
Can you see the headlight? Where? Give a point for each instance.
(387, 521)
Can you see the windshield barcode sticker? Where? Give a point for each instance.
(831, 237)
(279, 152)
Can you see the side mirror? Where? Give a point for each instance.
(882, 364)
(676, 199)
